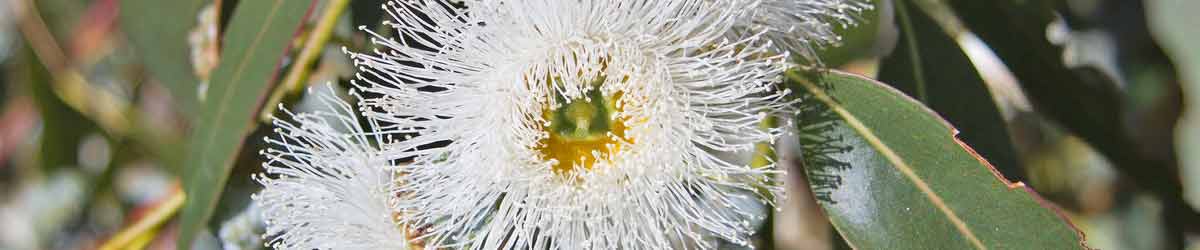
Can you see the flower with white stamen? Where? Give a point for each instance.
(574, 124)
(802, 26)
(326, 186)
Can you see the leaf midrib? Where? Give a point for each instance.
(222, 105)
(237, 75)
(897, 162)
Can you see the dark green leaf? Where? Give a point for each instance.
(257, 38)
(159, 32)
(929, 65)
(890, 174)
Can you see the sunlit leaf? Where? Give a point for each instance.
(890, 174)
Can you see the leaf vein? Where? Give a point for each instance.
(892, 157)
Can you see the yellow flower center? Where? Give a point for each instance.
(583, 130)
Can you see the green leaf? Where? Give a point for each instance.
(1174, 25)
(158, 30)
(258, 36)
(928, 64)
(890, 174)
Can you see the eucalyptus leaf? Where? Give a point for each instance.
(890, 174)
(254, 44)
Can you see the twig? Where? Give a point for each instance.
(101, 106)
(914, 53)
(943, 16)
(138, 232)
(313, 45)
(112, 113)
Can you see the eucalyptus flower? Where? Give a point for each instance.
(574, 124)
(326, 186)
(802, 27)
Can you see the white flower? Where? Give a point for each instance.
(589, 124)
(802, 26)
(326, 186)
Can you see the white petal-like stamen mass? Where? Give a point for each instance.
(326, 186)
(802, 26)
(487, 92)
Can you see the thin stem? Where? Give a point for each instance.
(146, 227)
(98, 105)
(914, 54)
(113, 114)
(313, 45)
(943, 16)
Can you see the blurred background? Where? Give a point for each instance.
(1080, 99)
